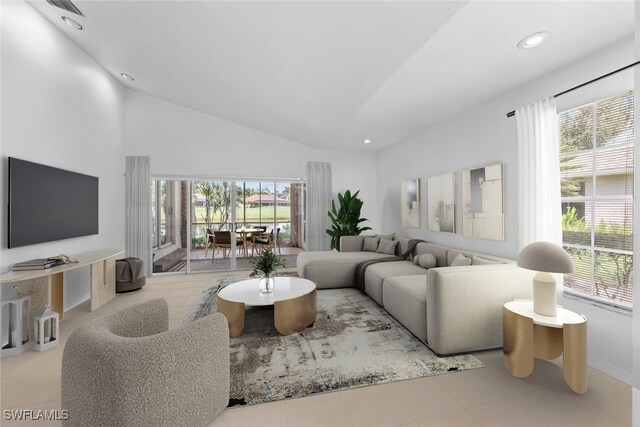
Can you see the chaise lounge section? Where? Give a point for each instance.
(451, 308)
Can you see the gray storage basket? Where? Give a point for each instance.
(130, 275)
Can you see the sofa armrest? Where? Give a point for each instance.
(464, 305)
(351, 243)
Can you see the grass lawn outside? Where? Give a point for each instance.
(254, 214)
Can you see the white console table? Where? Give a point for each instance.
(47, 286)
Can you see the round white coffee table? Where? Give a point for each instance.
(293, 298)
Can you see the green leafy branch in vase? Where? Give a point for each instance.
(266, 263)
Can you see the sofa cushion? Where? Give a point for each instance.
(370, 244)
(351, 243)
(332, 269)
(476, 260)
(387, 246)
(460, 260)
(403, 245)
(405, 299)
(376, 273)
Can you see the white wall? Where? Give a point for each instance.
(608, 336)
(470, 141)
(484, 135)
(184, 142)
(62, 109)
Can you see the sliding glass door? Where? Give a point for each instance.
(213, 239)
(278, 209)
(169, 225)
(214, 224)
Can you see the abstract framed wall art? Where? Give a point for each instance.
(410, 203)
(441, 203)
(482, 203)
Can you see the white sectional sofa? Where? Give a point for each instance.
(452, 309)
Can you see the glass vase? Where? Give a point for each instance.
(266, 284)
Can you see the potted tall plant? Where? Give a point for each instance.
(345, 220)
(265, 265)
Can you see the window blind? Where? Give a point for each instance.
(596, 163)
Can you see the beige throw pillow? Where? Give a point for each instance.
(426, 260)
(460, 260)
(370, 244)
(387, 246)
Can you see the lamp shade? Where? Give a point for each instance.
(545, 256)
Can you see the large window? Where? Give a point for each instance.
(596, 162)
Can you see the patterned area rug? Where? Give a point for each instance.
(353, 343)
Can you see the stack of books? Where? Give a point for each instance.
(36, 264)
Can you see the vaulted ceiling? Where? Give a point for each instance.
(331, 74)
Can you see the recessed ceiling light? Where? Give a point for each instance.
(126, 76)
(73, 24)
(367, 141)
(532, 40)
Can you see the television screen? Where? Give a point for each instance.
(48, 204)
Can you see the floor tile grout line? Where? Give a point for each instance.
(13, 385)
(514, 401)
(393, 390)
(506, 395)
(448, 393)
(497, 384)
(613, 414)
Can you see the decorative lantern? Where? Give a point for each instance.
(46, 329)
(16, 323)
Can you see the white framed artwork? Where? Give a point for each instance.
(410, 203)
(482, 203)
(441, 203)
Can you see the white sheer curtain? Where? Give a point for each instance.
(539, 206)
(138, 210)
(540, 212)
(319, 195)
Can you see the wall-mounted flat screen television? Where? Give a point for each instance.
(48, 204)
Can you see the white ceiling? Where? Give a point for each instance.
(330, 74)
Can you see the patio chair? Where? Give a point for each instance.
(208, 242)
(222, 239)
(266, 239)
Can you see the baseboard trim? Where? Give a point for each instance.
(612, 370)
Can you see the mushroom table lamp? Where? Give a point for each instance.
(545, 258)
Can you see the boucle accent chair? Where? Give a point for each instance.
(128, 369)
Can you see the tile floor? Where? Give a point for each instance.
(482, 397)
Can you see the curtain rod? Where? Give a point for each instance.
(513, 113)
